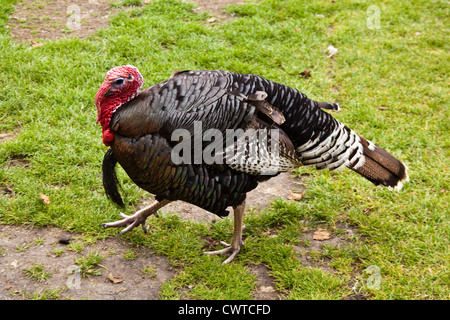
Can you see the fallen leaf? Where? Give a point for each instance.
(305, 73)
(35, 44)
(211, 20)
(8, 287)
(295, 196)
(44, 198)
(114, 279)
(321, 234)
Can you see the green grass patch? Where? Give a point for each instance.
(47, 98)
(88, 264)
(37, 273)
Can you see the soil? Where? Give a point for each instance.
(32, 21)
(215, 6)
(23, 248)
(54, 19)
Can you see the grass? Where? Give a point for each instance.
(47, 97)
(130, 254)
(37, 273)
(89, 263)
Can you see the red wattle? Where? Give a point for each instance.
(108, 137)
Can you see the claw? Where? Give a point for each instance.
(228, 249)
(139, 218)
(130, 222)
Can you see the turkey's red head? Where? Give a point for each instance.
(121, 85)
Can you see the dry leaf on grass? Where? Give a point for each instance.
(44, 198)
(295, 196)
(305, 73)
(35, 44)
(321, 234)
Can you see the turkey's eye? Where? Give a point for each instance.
(118, 82)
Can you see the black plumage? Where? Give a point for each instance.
(307, 135)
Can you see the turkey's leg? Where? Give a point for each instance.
(236, 242)
(130, 222)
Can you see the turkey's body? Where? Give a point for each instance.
(147, 161)
(224, 101)
(143, 138)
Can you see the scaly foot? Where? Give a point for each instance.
(139, 218)
(234, 250)
(236, 241)
(130, 222)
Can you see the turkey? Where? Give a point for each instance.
(209, 137)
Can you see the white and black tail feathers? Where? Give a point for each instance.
(344, 148)
(380, 167)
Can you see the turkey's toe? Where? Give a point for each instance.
(234, 250)
(130, 222)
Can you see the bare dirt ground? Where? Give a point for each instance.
(23, 250)
(214, 6)
(54, 19)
